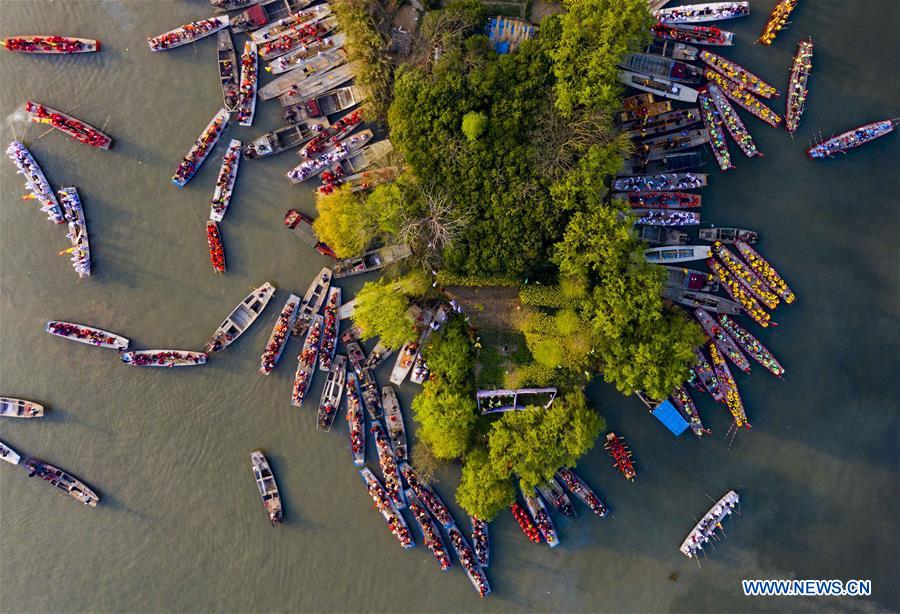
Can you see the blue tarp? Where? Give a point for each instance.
(666, 413)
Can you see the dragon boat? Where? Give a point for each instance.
(621, 455)
(729, 386)
(35, 182)
(739, 293)
(722, 339)
(738, 74)
(733, 122)
(743, 98)
(778, 20)
(713, 122)
(766, 271)
(798, 86)
(696, 35)
(751, 345)
(745, 275)
(707, 377)
(852, 139)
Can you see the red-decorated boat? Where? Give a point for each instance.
(60, 45)
(329, 136)
(525, 523)
(187, 33)
(75, 128)
(660, 200)
(621, 455)
(216, 251)
(697, 35)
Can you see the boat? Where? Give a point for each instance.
(697, 35)
(686, 406)
(738, 74)
(356, 355)
(331, 394)
(225, 182)
(187, 33)
(404, 362)
(331, 135)
(268, 489)
(743, 98)
(468, 561)
(393, 419)
(280, 333)
(301, 224)
(279, 43)
(35, 181)
(87, 334)
(62, 480)
(427, 495)
(312, 301)
(431, 535)
(525, 523)
(710, 302)
(372, 260)
(658, 85)
(356, 421)
(682, 253)
(668, 163)
(673, 49)
(728, 235)
(580, 489)
(388, 462)
(722, 339)
(286, 137)
(20, 408)
(369, 389)
(707, 377)
(383, 504)
(379, 354)
(314, 166)
(705, 530)
(420, 371)
(481, 540)
(320, 84)
(541, 518)
(739, 292)
(621, 455)
(240, 319)
(306, 361)
(223, 6)
(358, 161)
(688, 279)
(249, 80)
(851, 139)
(228, 71)
(656, 235)
(778, 19)
(639, 114)
(659, 200)
(713, 122)
(751, 345)
(330, 329)
(658, 147)
(346, 312)
(798, 87)
(8, 454)
(666, 217)
(329, 103)
(266, 12)
(732, 122)
(661, 66)
(55, 44)
(73, 127)
(661, 124)
(765, 270)
(163, 358)
(298, 57)
(358, 182)
(698, 13)
(216, 250)
(728, 385)
(746, 276)
(305, 69)
(201, 148)
(557, 497)
(78, 233)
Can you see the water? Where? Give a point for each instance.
(181, 527)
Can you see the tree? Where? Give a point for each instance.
(450, 356)
(381, 311)
(474, 124)
(344, 222)
(483, 491)
(447, 420)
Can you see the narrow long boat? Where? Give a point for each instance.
(356, 421)
(8, 454)
(694, 299)
(661, 66)
(754, 348)
(330, 329)
(249, 78)
(55, 44)
(621, 455)
(744, 274)
(301, 54)
(722, 339)
(187, 33)
(526, 523)
(301, 224)
(297, 35)
(697, 35)
(306, 361)
(201, 148)
(655, 235)
(427, 495)
(541, 518)
(689, 279)
(163, 358)
(216, 248)
(355, 353)
(682, 253)
(372, 260)
(798, 86)
(680, 120)
(331, 394)
(329, 103)
(35, 181)
(225, 181)
(704, 530)
(271, 12)
(765, 270)
(304, 69)
(268, 488)
(80, 251)
(379, 354)
(223, 6)
(578, 487)
(280, 334)
(699, 13)
(674, 50)
(358, 182)
(739, 293)
(851, 139)
(404, 362)
(728, 235)
(228, 72)
(662, 182)
(777, 21)
(738, 74)
(369, 389)
(281, 24)
(20, 408)
(383, 504)
(468, 561)
(286, 137)
(685, 404)
(713, 122)
(388, 462)
(743, 98)
(707, 376)
(666, 217)
(481, 540)
(733, 122)
(240, 318)
(314, 166)
(87, 335)
(358, 161)
(659, 147)
(319, 85)
(73, 127)
(393, 419)
(658, 85)
(553, 493)
(62, 480)
(657, 108)
(431, 535)
(660, 200)
(312, 301)
(729, 386)
(332, 134)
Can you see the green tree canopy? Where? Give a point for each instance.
(483, 491)
(474, 124)
(343, 222)
(381, 311)
(447, 420)
(450, 356)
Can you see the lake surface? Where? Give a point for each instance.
(181, 527)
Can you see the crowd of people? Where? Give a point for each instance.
(738, 74)
(75, 128)
(542, 520)
(395, 521)
(559, 500)
(388, 463)
(738, 292)
(703, 12)
(185, 34)
(686, 404)
(225, 182)
(744, 98)
(164, 358)
(751, 345)
(306, 362)
(703, 35)
(467, 560)
(91, 335)
(734, 124)
(762, 268)
(49, 44)
(660, 182)
(621, 455)
(797, 88)
(778, 20)
(279, 337)
(329, 335)
(725, 343)
(291, 39)
(668, 217)
(757, 287)
(301, 54)
(424, 492)
(419, 370)
(851, 139)
(35, 182)
(335, 154)
(526, 523)
(331, 136)
(729, 386)
(247, 92)
(432, 537)
(356, 421)
(80, 251)
(713, 122)
(396, 432)
(216, 250)
(480, 540)
(201, 148)
(707, 526)
(578, 488)
(663, 200)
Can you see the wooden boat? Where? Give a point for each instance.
(240, 319)
(427, 495)
(163, 358)
(668, 163)
(268, 489)
(35, 181)
(707, 377)
(80, 251)
(280, 334)
(727, 235)
(228, 71)
(355, 355)
(658, 147)
(331, 135)
(372, 260)
(62, 480)
(728, 385)
(356, 421)
(329, 103)
(8, 454)
(404, 362)
(55, 44)
(738, 292)
(710, 302)
(468, 561)
(306, 361)
(580, 489)
(704, 530)
(346, 312)
(713, 122)
(216, 249)
(525, 523)
(294, 36)
(225, 182)
(223, 6)
(320, 84)
(286, 137)
(732, 122)
(358, 161)
(304, 69)
(420, 371)
(388, 462)
(658, 85)
(661, 66)
(291, 24)
(20, 408)
(358, 182)
(683, 253)
(331, 394)
(393, 418)
(314, 166)
(87, 334)
(370, 394)
(303, 53)
(657, 108)
(656, 235)
(553, 493)
(743, 98)
(431, 535)
(621, 455)
(778, 19)
(266, 12)
(798, 86)
(73, 127)
(660, 182)
(187, 33)
(665, 217)
(659, 200)
(697, 35)
(201, 148)
(744, 274)
(396, 522)
(330, 329)
(301, 224)
(751, 345)
(765, 270)
(638, 101)
(688, 279)
(667, 122)
(699, 13)
(722, 339)
(379, 354)
(851, 139)
(673, 49)
(312, 300)
(541, 518)
(249, 79)
(738, 74)
(481, 540)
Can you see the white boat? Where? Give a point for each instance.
(78, 234)
(677, 253)
(420, 370)
(331, 394)
(658, 85)
(240, 318)
(347, 310)
(468, 561)
(225, 182)
(303, 70)
(541, 518)
(312, 301)
(356, 421)
(704, 530)
(330, 329)
(396, 522)
(163, 358)
(187, 33)
(281, 25)
(87, 335)
(408, 352)
(296, 57)
(306, 362)
(280, 333)
(319, 85)
(268, 488)
(20, 408)
(393, 418)
(35, 181)
(249, 80)
(8, 454)
(699, 13)
(388, 462)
